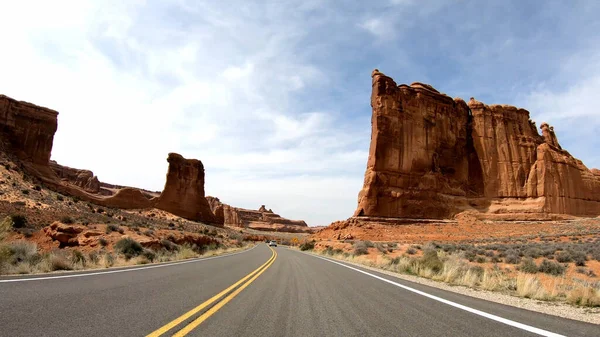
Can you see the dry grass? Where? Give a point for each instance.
(455, 269)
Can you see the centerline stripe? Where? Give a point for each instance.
(160, 331)
(219, 305)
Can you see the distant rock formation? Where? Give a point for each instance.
(184, 190)
(28, 130)
(432, 156)
(262, 219)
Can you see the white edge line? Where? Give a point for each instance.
(124, 270)
(454, 304)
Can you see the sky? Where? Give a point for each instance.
(274, 96)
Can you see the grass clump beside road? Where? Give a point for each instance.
(544, 280)
(24, 257)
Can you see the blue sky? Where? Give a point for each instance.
(273, 97)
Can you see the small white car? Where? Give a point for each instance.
(272, 243)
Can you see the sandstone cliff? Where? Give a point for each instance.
(28, 128)
(432, 156)
(82, 178)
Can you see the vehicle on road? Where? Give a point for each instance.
(272, 243)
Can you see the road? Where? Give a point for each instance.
(293, 294)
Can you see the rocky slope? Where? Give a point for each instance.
(432, 156)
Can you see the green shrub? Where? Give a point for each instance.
(308, 245)
(431, 260)
(77, 257)
(93, 257)
(411, 251)
(129, 247)
(551, 267)
(18, 220)
(528, 266)
(111, 228)
(579, 258)
(149, 254)
(59, 262)
(102, 242)
(564, 257)
(67, 220)
(361, 248)
(169, 245)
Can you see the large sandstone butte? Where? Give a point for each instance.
(27, 131)
(184, 190)
(432, 156)
(261, 219)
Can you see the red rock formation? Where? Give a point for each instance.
(183, 194)
(432, 156)
(28, 128)
(82, 178)
(262, 219)
(29, 132)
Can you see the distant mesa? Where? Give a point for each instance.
(432, 156)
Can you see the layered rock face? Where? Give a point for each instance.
(184, 190)
(261, 219)
(432, 156)
(28, 128)
(82, 178)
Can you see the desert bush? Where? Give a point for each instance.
(102, 242)
(60, 197)
(328, 250)
(579, 258)
(469, 255)
(5, 227)
(308, 245)
(584, 296)
(564, 256)
(18, 220)
(381, 248)
(431, 260)
(528, 266)
(411, 251)
(149, 254)
(58, 262)
(26, 192)
(551, 267)
(369, 244)
(112, 228)
(169, 245)
(129, 247)
(93, 257)
(185, 252)
(77, 257)
(533, 252)
(360, 248)
(66, 220)
(512, 257)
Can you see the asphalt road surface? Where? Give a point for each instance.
(260, 292)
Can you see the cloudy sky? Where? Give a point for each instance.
(273, 97)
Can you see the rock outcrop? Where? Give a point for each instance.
(432, 156)
(183, 194)
(261, 219)
(28, 128)
(82, 178)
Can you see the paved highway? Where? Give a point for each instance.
(260, 292)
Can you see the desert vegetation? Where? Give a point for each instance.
(561, 271)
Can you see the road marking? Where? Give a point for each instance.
(454, 304)
(219, 305)
(160, 331)
(123, 270)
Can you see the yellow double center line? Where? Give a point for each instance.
(249, 278)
